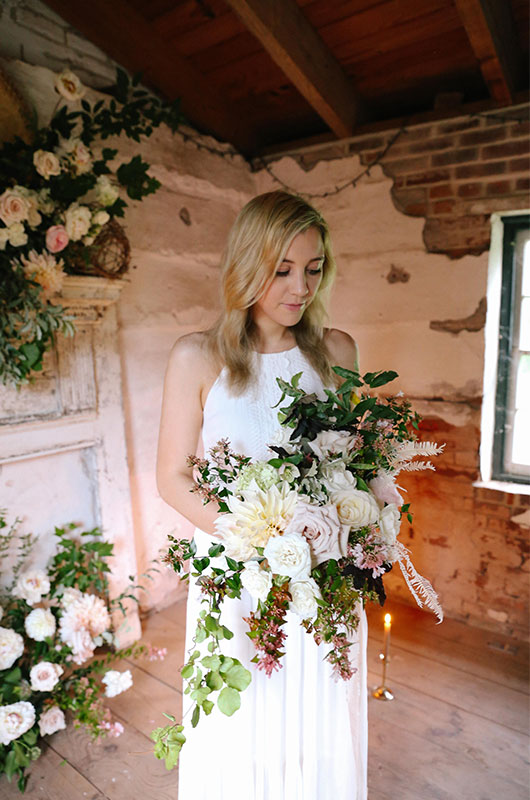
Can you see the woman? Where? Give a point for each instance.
(299, 735)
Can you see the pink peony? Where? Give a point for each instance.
(85, 617)
(56, 238)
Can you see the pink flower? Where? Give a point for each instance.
(113, 729)
(56, 238)
(384, 488)
(321, 527)
(370, 555)
(51, 720)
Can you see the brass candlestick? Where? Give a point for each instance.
(383, 692)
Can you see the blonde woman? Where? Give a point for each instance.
(299, 735)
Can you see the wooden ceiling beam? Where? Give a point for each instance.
(131, 40)
(298, 50)
(491, 32)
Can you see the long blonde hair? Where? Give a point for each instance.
(257, 244)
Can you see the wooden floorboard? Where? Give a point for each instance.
(457, 729)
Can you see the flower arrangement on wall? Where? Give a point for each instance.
(53, 624)
(57, 194)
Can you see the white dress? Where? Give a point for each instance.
(299, 735)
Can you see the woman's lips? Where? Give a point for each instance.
(293, 306)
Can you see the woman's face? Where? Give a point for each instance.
(295, 283)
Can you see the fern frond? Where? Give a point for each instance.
(420, 588)
(415, 466)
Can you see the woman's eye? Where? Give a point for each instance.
(315, 271)
(282, 273)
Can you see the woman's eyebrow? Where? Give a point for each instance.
(316, 258)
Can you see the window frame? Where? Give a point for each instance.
(501, 322)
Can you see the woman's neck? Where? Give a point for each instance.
(269, 337)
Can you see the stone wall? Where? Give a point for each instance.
(400, 292)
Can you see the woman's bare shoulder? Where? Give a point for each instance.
(192, 353)
(342, 347)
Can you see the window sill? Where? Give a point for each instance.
(504, 486)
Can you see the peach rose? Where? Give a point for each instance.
(46, 163)
(13, 207)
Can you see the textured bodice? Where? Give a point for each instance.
(249, 420)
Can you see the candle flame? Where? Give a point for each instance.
(388, 619)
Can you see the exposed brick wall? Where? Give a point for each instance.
(455, 173)
(32, 32)
(481, 557)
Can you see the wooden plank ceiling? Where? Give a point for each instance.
(264, 73)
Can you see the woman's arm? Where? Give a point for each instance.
(342, 348)
(189, 375)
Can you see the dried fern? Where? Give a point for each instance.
(420, 588)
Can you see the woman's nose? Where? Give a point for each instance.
(299, 285)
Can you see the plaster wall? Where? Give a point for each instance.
(388, 295)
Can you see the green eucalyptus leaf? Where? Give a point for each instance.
(237, 677)
(229, 701)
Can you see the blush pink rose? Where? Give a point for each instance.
(322, 529)
(56, 238)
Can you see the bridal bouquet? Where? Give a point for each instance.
(53, 621)
(311, 531)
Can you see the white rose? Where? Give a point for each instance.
(304, 596)
(335, 476)
(69, 86)
(31, 586)
(117, 682)
(15, 720)
(100, 218)
(51, 721)
(17, 235)
(4, 238)
(106, 193)
(331, 442)
(11, 647)
(356, 508)
(321, 527)
(389, 524)
(77, 221)
(13, 207)
(39, 624)
(44, 676)
(46, 163)
(257, 581)
(288, 555)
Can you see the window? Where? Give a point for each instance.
(505, 448)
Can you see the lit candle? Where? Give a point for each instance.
(386, 640)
